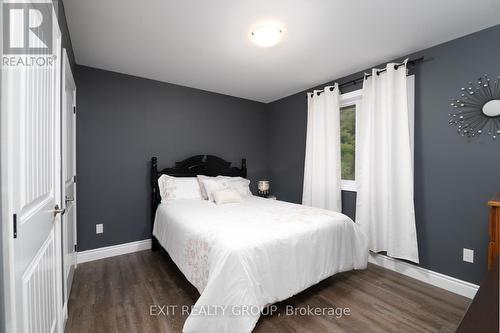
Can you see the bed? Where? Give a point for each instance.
(244, 256)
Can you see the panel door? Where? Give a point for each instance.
(32, 109)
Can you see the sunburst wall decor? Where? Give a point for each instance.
(477, 111)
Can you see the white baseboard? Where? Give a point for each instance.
(111, 251)
(449, 283)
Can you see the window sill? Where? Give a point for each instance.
(348, 185)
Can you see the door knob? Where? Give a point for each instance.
(57, 210)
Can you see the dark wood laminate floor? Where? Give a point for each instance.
(115, 295)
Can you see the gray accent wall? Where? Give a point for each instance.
(454, 178)
(122, 121)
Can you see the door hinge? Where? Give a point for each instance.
(74, 109)
(76, 248)
(15, 225)
(74, 179)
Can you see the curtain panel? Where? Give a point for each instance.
(322, 169)
(384, 170)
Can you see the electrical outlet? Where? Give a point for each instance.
(99, 228)
(468, 255)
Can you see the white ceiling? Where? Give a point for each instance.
(204, 44)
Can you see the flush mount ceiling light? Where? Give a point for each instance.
(266, 35)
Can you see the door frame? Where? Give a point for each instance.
(67, 74)
(7, 203)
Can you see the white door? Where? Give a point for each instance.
(68, 176)
(31, 183)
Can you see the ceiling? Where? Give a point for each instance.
(205, 44)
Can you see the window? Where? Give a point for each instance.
(348, 141)
(349, 104)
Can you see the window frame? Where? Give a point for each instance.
(350, 99)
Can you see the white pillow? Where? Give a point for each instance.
(239, 184)
(226, 196)
(212, 185)
(178, 188)
(202, 186)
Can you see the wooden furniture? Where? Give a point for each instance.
(482, 315)
(494, 230)
(207, 165)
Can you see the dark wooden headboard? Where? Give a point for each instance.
(207, 165)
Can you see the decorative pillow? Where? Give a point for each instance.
(178, 188)
(226, 196)
(202, 186)
(239, 184)
(212, 184)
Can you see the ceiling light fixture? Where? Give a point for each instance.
(266, 35)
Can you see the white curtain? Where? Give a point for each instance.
(322, 162)
(384, 170)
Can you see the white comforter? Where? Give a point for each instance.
(244, 256)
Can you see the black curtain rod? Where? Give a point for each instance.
(353, 82)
